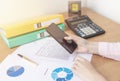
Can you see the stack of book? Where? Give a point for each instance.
(27, 31)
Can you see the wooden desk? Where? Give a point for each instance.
(109, 68)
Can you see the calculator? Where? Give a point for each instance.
(84, 27)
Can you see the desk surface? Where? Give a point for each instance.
(109, 68)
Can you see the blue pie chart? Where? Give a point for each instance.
(62, 74)
(15, 71)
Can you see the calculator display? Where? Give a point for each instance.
(79, 21)
(84, 27)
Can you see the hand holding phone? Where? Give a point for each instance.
(59, 35)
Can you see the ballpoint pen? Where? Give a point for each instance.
(28, 59)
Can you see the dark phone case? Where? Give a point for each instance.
(59, 35)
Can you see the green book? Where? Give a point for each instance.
(28, 37)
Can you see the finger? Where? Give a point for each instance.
(72, 35)
(80, 59)
(69, 34)
(77, 67)
(74, 70)
(74, 67)
(68, 38)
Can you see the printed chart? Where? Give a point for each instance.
(15, 71)
(62, 74)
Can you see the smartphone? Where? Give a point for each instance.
(59, 35)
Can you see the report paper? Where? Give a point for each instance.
(54, 62)
(14, 68)
(47, 48)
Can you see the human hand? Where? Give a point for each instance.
(85, 71)
(84, 46)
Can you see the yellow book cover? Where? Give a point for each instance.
(12, 30)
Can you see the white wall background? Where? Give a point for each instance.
(16, 10)
(108, 8)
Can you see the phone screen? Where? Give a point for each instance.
(59, 35)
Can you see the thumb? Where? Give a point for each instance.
(68, 38)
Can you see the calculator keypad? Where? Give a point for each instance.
(87, 29)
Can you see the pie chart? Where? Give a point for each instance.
(62, 74)
(15, 71)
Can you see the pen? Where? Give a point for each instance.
(27, 59)
(45, 71)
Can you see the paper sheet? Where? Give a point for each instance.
(47, 48)
(56, 71)
(14, 68)
(54, 62)
(45, 71)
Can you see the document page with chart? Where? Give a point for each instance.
(14, 68)
(54, 62)
(56, 71)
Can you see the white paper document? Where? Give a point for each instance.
(14, 68)
(54, 63)
(47, 48)
(56, 71)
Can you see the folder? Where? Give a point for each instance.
(29, 37)
(12, 30)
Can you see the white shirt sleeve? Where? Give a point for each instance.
(109, 50)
